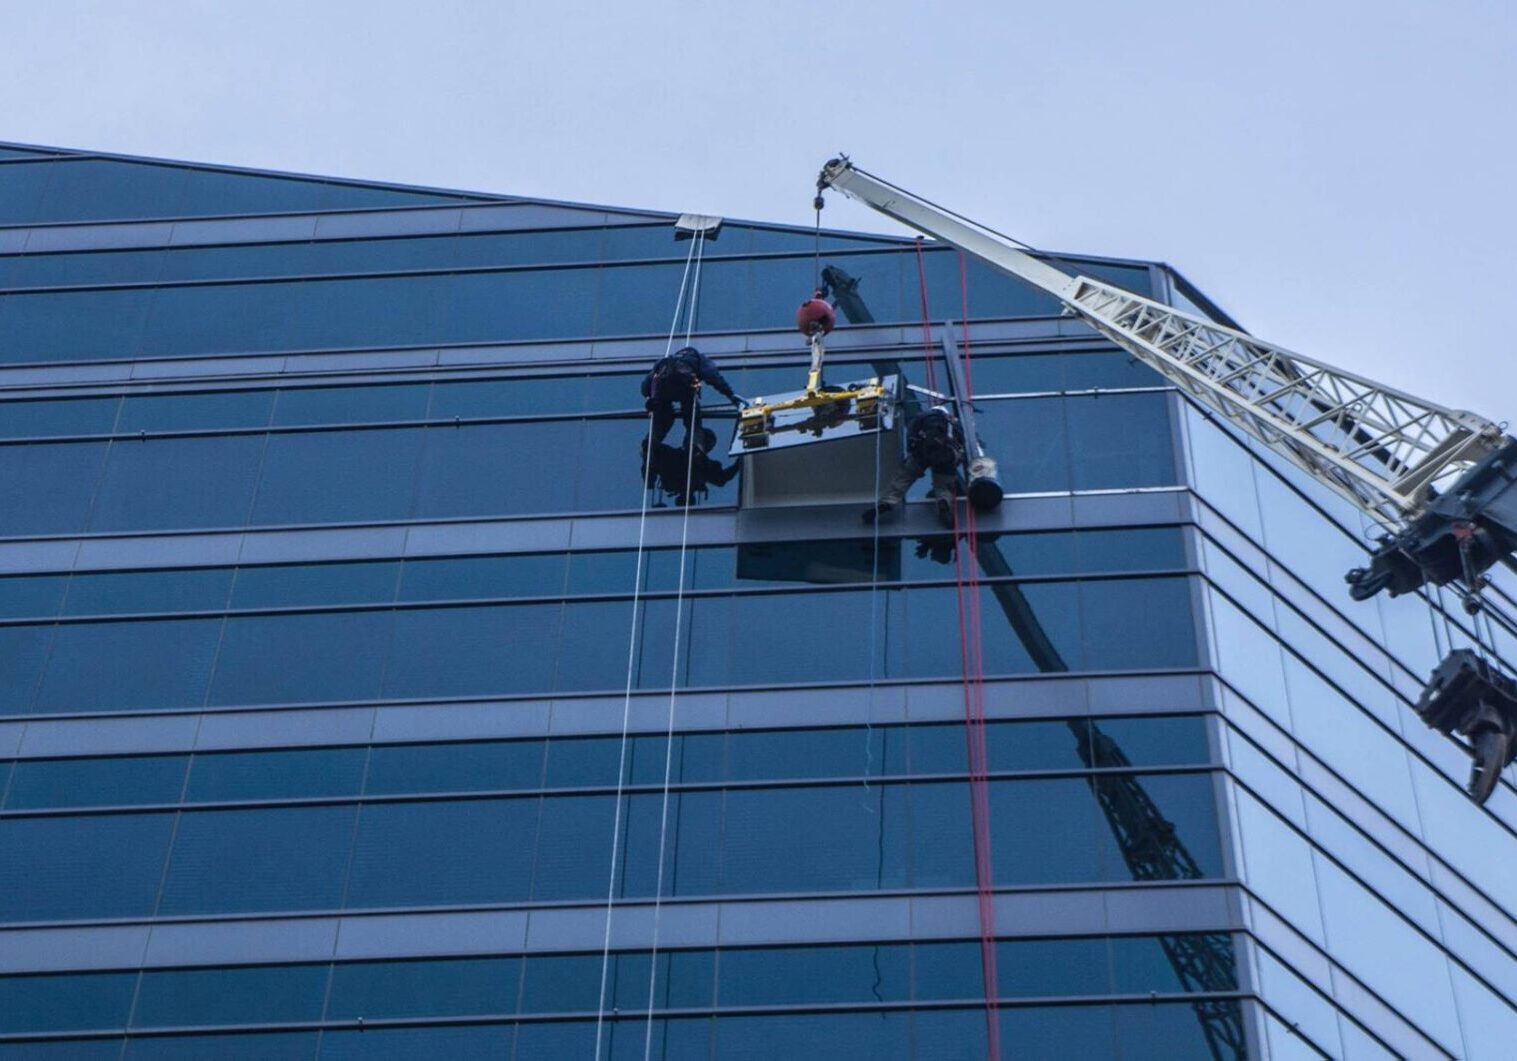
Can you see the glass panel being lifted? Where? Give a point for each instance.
(859, 421)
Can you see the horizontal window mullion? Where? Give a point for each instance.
(149, 1032)
(608, 789)
(597, 598)
(437, 270)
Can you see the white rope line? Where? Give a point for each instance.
(874, 621)
(679, 608)
(621, 768)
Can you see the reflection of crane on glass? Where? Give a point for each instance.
(1150, 846)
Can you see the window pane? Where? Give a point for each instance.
(410, 854)
(500, 765)
(328, 656)
(228, 776)
(148, 591)
(195, 412)
(337, 477)
(293, 585)
(161, 483)
(96, 782)
(198, 997)
(252, 860)
(65, 1003)
(53, 867)
(39, 419)
(370, 990)
(57, 482)
(171, 663)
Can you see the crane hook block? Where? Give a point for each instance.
(1466, 695)
(816, 316)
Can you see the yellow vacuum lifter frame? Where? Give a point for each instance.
(756, 420)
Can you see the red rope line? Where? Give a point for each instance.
(972, 662)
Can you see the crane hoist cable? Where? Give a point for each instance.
(632, 642)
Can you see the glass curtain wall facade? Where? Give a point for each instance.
(323, 617)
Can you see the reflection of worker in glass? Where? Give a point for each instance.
(668, 464)
(677, 379)
(935, 443)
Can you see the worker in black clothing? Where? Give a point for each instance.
(678, 378)
(668, 465)
(935, 443)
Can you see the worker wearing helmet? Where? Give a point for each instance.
(676, 379)
(935, 443)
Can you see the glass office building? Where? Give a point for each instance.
(323, 618)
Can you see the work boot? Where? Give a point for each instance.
(945, 512)
(874, 512)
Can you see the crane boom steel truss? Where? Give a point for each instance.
(1379, 448)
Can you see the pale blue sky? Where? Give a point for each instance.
(1338, 174)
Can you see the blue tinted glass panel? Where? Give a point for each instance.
(65, 1003)
(275, 775)
(96, 782)
(192, 590)
(195, 412)
(352, 405)
(24, 648)
(472, 651)
(1113, 641)
(411, 854)
(424, 989)
(89, 267)
(234, 263)
(251, 860)
(40, 419)
(522, 575)
(407, 1044)
(1029, 437)
(327, 656)
(92, 325)
(183, 482)
(501, 469)
(797, 976)
(1121, 440)
(230, 318)
(57, 482)
(54, 867)
(293, 585)
(286, 1046)
(202, 997)
(171, 662)
(1160, 739)
(499, 765)
(105, 189)
(885, 1036)
(22, 596)
(337, 477)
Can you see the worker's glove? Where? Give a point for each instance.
(738, 400)
(649, 405)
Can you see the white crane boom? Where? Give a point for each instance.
(1379, 448)
(1442, 481)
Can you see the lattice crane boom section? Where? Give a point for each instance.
(1379, 448)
